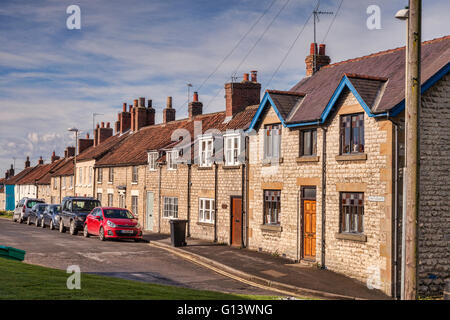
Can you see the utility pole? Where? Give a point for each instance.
(412, 106)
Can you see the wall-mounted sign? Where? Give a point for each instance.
(376, 198)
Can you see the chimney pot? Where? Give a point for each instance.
(149, 103)
(141, 102)
(98, 126)
(254, 75)
(108, 124)
(322, 49)
(246, 77)
(130, 107)
(195, 98)
(169, 103)
(124, 107)
(135, 103)
(103, 124)
(87, 135)
(313, 48)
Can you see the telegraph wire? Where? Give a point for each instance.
(332, 21)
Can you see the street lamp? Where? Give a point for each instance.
(75, 158)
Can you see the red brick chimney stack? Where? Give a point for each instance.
(169, 112)
(195, 107)
(104, 133)
(83, 144)
(239, 95)
(125, 119)
(320, 57)
(69, 152)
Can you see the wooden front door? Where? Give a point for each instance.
(236, 221)
(309, 229)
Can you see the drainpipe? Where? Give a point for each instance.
(324, 175)
(189, 200)
(159, 197)
(298, 226)
(215, 202)
(247, 188)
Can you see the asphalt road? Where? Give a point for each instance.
(123, 259)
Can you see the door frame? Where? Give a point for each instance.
(146, 211)
(302, 217)
(231, 221)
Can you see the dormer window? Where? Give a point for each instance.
(205, 151)
(152, 157)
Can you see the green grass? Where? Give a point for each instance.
(21, 281)
(6, 214)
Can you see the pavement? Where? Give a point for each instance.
(122, 259)
(268, 271)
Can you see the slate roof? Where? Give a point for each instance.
(133, 150)
(369, 73)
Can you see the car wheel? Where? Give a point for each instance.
(14, 219)
(137, 240)
(73, 230)
(85, 231)
(101, 234)
(62, 229)
(43, 223)
(20, 219)
(28, 221)
(36, 222)
(51, 226)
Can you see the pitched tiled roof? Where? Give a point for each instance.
(19, 176)
(66, 168)
(104, 147)
(133, 150)
(46, 178)
(376, 68)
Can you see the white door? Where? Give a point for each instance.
(149, 211)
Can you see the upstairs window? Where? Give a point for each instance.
(308, 142)
(232, 149)
(111, 175)
(100, 175)
(134, 175)
(205, 151)
(352, 133)
(172, 157)
(152, 157)
(272, 141)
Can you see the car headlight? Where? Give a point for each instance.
(138, 226)
(111, 224)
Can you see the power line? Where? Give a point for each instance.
(290, 49)
(252, 48)
(332, 21)
(234, 48)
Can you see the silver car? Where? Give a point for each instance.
(23, 209)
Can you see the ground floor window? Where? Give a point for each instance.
(206, 210)
(99, 197)
(121, 201)
(170, 207)
(134, 205)
(352, 212)
(272, 205)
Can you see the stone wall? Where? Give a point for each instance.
(434, 190)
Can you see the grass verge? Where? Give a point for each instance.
(21, 281)
(6, 214)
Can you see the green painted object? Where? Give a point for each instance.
(12, 253)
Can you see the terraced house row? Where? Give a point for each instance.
(311, 174)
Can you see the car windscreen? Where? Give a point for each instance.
(56, 209)
(84, 205)
(41, 208)
(31, 203)
(117, 214)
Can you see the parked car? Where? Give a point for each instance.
(51, 216)
(74, 213)
(36, 214)
(112, 223)
(23, 209)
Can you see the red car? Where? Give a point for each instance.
(112, 223)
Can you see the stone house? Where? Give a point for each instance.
(62, 177)
(325, 168)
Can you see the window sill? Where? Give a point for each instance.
(351, 236)
(110, 182)
(307, 159)
(230, 167)
(269, 227)
(205, 224)
(269, 162)
(204, 168)
(352, 157)
(134, 183)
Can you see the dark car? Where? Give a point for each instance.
(74, 213)
(51, 216)
(36, 214)
(23, 209)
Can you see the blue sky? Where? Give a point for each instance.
(53, 78)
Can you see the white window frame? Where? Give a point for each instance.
(205, 153)
(152, 157)
(232, 154)
(100, 175)
(270, 152)
(133, 174)
(170, 207)
(135, 206)
(110, 175)
(203, 211)
(172, 157)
